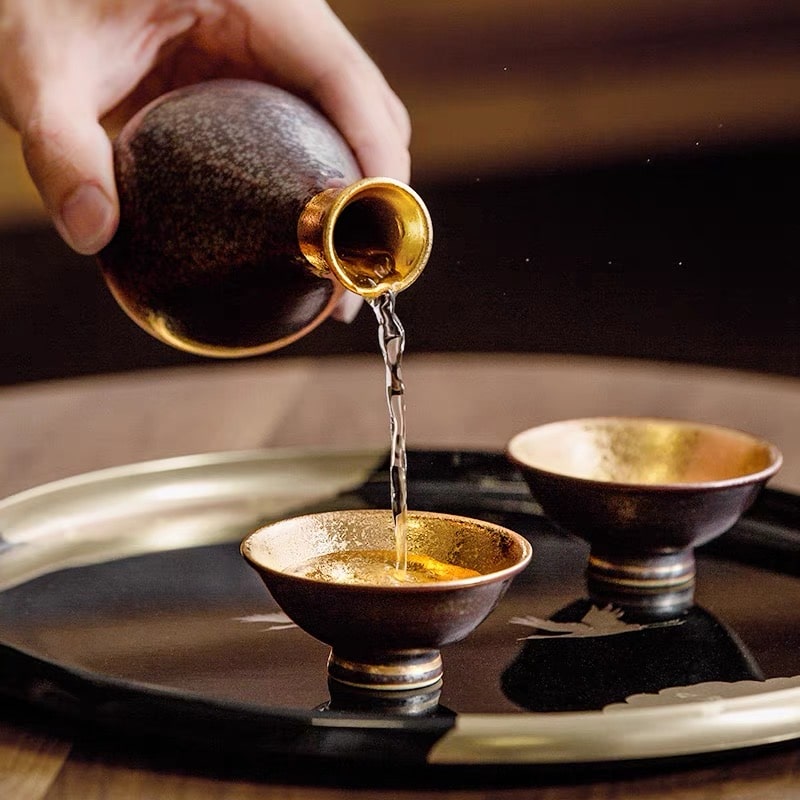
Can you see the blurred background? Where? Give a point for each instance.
(611, 178)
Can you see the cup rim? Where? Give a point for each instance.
(245, 548)
(762, 475)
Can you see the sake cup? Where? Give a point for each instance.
(644, 492)
(386, 636)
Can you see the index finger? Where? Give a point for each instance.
(307, 49)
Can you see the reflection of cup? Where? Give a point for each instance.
(386, 636)
(584, 658)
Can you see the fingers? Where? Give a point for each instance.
(62, 65)
(70, 160)
(50, 102)
(53, 89)
(306, 48)
(370, 118)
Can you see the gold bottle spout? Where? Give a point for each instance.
(374, 235)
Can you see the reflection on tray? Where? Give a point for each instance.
(584, 658)
(423, 702)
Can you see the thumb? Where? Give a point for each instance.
(70, 159)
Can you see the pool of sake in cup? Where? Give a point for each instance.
(644, 493)
(335, 575)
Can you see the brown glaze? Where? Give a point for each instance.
(212, 180)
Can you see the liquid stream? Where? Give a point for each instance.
(392, 341)
(385, 567)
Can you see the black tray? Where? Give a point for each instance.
(124, 604)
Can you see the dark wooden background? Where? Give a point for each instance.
(604, 178)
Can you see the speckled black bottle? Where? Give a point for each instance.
(214, 181)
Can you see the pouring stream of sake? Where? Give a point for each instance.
(392, 340)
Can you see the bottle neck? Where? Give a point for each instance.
(374, 235)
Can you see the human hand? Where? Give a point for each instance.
(71, 71)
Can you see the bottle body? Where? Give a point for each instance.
(214, 181)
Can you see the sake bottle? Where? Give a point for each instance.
(244, 217)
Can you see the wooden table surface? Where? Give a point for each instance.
(56, 429)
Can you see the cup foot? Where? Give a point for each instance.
(399, 670)
(656, 586)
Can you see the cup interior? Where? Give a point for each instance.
(644, 451)
(452, 539)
